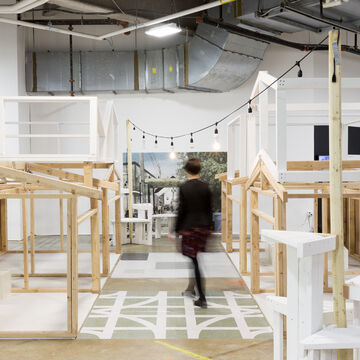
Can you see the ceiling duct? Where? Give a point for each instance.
(218, 61)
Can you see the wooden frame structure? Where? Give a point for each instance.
(26, 185)
(281, 179)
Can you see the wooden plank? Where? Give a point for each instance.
(25, 244)
(94, 224)
(278, 188)
(243, 230)
(74, 267)
(325, 226)
(34, 196)
(264, 216)
(113, 199)
(229, 219)
(36, 335)
(315, 212)
(263, 192)
(109, 173)
(32, 236)
(75, 165)
(223, 211)
(254, 239)
(71, 176)
(3, 226)
(130, 177)
(351, 226)
(254, 175)
(85, 215)
(239, 181)
(105, 223)
(51, 183)
(320, 165)
(118, 221)
(336, 212)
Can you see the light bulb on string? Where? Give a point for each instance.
(172, 154)
(134, 128)
(156, 142)
(249, 108)
(300, 73)
(191, 141)
(216, 143)
(143, 141)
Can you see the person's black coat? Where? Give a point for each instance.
(194, 206)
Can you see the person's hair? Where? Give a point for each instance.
(193, 166)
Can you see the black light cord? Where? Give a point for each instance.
(297, 63)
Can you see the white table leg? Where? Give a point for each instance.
(149, 233)
(139, 233)
(124, 239)
(157, 228)
(278, 324)
(171, 224)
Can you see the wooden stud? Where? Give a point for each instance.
(223, 211)
(243, 230)
(316, 212)
(105, 233)
(32, 236)
(229, 218)
(336, 205)
(325, 226)
(3, 225)
(130, 177)
(254, 238)
(94, 224)
(118, 222)
(25, 244)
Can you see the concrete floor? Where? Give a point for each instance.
(133, 350)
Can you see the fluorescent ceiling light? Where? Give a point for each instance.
(163, 30)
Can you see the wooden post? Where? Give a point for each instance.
(243, 231)
(118, 221)
(336, 192)
(61, 209)
(130, 177)
(25, 244)
(223, 211)
(255, 253)
(351, 226)
(32, 236)
(105, 233)
(316, 212)
(325, 226)
(72, 266)
(94, 223)
(3, 225)
(280, 249)
(229, 218)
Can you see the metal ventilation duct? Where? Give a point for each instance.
(218, 61)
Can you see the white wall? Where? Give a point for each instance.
(171, 114)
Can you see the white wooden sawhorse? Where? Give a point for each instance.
(158, 218)
(303, 306)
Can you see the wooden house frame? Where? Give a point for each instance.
(259, 174)
(19, 181)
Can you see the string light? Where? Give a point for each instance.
(143, 140)
(134, 128)
(156, 142)
(216, 132)
(300, 73)
(191, 141)
(216, 144)
(172, 154)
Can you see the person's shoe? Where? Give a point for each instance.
(189, 293)
(201, 303)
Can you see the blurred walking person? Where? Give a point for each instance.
(194, 223)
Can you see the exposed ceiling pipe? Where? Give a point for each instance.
(90, 8)
(21, 6)
(118, 32)
(273, 39)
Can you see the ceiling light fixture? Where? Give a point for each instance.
(163, 30)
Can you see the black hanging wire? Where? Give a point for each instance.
(236, 109)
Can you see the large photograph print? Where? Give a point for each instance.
(156, 177)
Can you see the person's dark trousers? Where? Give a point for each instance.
(199, 282)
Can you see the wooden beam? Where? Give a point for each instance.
(81, 218)
(25, 244)
(3, 226)
(229, 218)
(336, 200)
(32, 236)
(243, 230)
(117, 220)
(71, 176)
(94, 224)
(51, 183)
(223, 211)
(130, 177)
(255, 239)
(105, 222)
(264, 216)
(320, 165)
